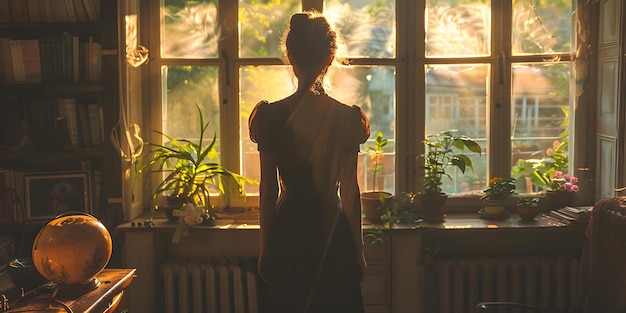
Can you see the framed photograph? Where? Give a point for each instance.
(52, 193)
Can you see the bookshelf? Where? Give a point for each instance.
(58, 95)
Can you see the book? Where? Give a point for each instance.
(71, 11)
(6, 61)
(95, 123)
(95, 61)
(67, 51)
(51, 111)
(76, 58)
(34, 11)
(17, 56)
(79, 8)
(59, 11)
(45, 54)
(45, 7)
(87, 48)
(32, 60)
(19, 11)
(5, 12)
(67, 109)
(90, 8)
(62, 133)
(84, 125)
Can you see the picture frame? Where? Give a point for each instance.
(49, 194)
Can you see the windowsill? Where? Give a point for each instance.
(454, 221)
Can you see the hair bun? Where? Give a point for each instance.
(299, 20)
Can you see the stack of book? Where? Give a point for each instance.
(572, 215)
(48, 11)
(66, 123)
(64, 57)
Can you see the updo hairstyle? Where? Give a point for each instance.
(310, 40)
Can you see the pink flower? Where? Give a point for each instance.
(574, 188)
(556, 144)
(573, 179)
(567, 186)
(557, 174)
(549, 151)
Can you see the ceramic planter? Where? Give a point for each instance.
(494, 206)
(555, 200)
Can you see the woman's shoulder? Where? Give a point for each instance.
(358, 118)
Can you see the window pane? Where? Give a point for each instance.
(185, 86)
(368, 27)
(258, 83)
(371, 88)
(262, 25)
(542, 27)
(456, 98)
(540, 116)
(458, 28)
(189, 29)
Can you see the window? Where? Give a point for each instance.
(498, 71)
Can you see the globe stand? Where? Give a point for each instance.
(68, 290)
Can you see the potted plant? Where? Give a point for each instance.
(443, 150)
(192, 170)
(527, 207)
(497, 192)
(540, 171)
(560, 190)
(374, 199)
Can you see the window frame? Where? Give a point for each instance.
(410, 90)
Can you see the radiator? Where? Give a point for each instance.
(545, 281)
(222, 286)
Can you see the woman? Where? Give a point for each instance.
(311, 246)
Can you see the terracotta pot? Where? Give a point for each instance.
(527, 212)
(372, 205)
(433, 206)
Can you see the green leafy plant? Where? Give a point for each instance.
(499, 188)
(402, 211)
(443, 150)
(527, 201)
(375, 152)
(191, 169)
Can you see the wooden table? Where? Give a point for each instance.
(105, 298)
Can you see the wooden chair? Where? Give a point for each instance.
(602, 265)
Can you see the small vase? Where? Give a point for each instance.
(527, 212)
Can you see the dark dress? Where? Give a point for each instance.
(308, 154)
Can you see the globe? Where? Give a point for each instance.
(71, 250)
